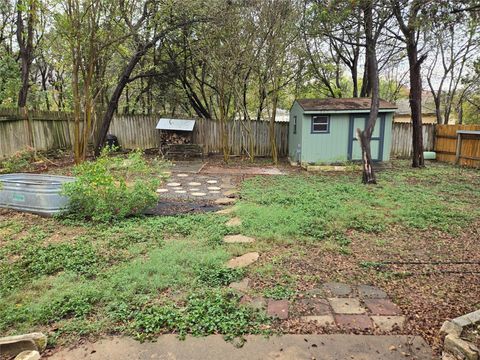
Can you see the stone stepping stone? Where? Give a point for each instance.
(278, 309)
(212, 181)
(389, 323)
(346, 306)
(231, 193)
(162, 190)
(216, 188)
(194, 189)
(177, 188)
(226, 211)
(234, 222)
(243, 261)
(225, 201)
(371, 292)
(322, 320)
(354, 322)
(241, 285)
(182, 175)
(194, 184)
(382, 307)
(180, 191)
(174, 184)
(198, 194)
(337, 289)
(214, 192)
(240, 239)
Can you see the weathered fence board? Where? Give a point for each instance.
(402, 139)
(446, 145)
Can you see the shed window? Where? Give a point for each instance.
(295, 124)
(320, 124)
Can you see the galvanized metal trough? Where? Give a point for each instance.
(35, 193)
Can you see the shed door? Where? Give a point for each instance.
(376, 143)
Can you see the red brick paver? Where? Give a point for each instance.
(356, 322)
(278, 308)
(382, 307)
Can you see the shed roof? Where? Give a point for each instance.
(176, 124)
(342, 104)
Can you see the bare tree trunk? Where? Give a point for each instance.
(416, 102)
(365, 136)
(273, 140)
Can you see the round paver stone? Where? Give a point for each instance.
(193, 183)
(162, 190)
(194, 189)
(212, 181)
(174, 184)
(214, 192)
(214, 188)
(198, 194)
(177, 188)
(182, 175)
(181, 191)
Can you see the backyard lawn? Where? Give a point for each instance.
(150, 275)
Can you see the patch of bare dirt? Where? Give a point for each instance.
(431, 275)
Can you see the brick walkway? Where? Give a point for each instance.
(360, 307)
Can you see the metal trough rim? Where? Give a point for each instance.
(35, 179)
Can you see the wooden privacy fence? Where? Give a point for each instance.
(402, 139)
(446, 145)
(54, 130)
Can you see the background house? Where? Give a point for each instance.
(324, 130)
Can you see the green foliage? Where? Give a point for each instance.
(101, 193)
(209, 312)
(9, 80)
(19, 162)
(279, 292)
(219, 276)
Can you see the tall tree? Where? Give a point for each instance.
(408, 15)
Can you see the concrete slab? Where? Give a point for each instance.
(389, 323)
(336, 289)
(319, 347)
(371, 292)
(346, 306)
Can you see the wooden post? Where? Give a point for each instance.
(459, 148)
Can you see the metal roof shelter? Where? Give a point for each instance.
(175, 124)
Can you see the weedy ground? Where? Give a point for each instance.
(149, 275)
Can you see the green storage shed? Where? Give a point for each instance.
(323, 131)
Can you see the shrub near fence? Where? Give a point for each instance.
(446, 145)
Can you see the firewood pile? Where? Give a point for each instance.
(175, 137)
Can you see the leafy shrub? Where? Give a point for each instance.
(101, 192)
